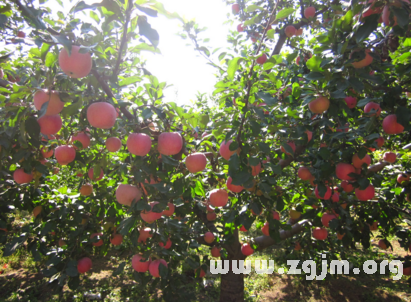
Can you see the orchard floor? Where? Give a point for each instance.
(19, 283)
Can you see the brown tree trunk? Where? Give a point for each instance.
(232, 287)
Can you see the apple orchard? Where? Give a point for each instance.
(306, 138)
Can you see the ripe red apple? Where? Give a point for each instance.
(246, 249)
(86, 189)
(117, 239)
(406, 271)
(366, 194)
(22, 177)
(91, 174)
(167, 245)
(326, 218)
(266, 229)
(54, 106)
(139, 264)
(351, 101)
(382, 244)
(262, 59)
(215, 252)
(320, 233)
(319, 105)
(83, 138)
(290, 31)
(144, 234)
(150, 216)
(218, 198)
(50, 124)
(380, 142)
(77, 65)
(327, 194)
(291, 144)
(196, 162)
(297, 246)
(101, 115)
(21, 34)
(390, 157)
(340, 236)
(46, 153)
(84, 265)
(364, 62)
(342, 170)
(390, 125)
(372, 106)
(357, 162)
(243, 229)
(169, 143)
(309, 135)
(276, 215)
(225, 151)
(65, 154)
(309, 12)
(113, 144)
(170, 210)
(154, 267)
(233, 188)
(139, 144)
(98, 243)
(37, 210)
(240, 28)
(403, 179)
(61, 242)
(235, 8)
(255, 170)
(304, 173)
(335, 197)
(209, 237)
(211, 216)
(125, 194)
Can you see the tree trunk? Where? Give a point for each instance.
(232, 287)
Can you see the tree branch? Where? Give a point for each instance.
(4, 83)
(266, 241)
(124, 38)
(378, 167)
(109, 93)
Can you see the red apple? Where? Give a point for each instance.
(240, 28)
(327, 194)
(262, 59)
(233, 188)
(65, 154)
(22, 177)
(304, 173)
(390, 125)
(218, 198)
(75, 65)
(309, 12)
(154, 267)
(101, 115)
(366, 194)
(319, 105)
(139, 264)
(320, 233)
(351, 101)
(246, 249)
(364, 62)
(342, 170)
(150, 216)
(196, 162)
(113, 144)
(209, 237)
(225, 151)
(357, 162)
(326, 218)
(125, 194)
(372, 106)
(84, 265)
(55, 105)
(169, 143)
(390, 157)
(290, 31)
(139, 144)
(50, 124)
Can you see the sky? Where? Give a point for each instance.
(179, 64)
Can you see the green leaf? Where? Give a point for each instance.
(232, 67)
(402, 16)
(267, 98)
(170, 161)
(71, 269)
(51, 58)
(119, 269)
(72, 109)
(251, 8)
(12, 246)
(314, 63)
(370, 24)
(149, 11)
(287, 148)
(129, 80)
(315, 75)
(148, 32)
(284, 13)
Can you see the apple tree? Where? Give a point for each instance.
(308, 138)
